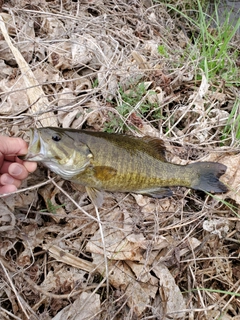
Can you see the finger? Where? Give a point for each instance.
(5, 166)
(30, 166)
(6, 179)
(12, 146)
(18, 171)
(7, 189)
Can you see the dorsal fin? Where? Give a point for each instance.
(157, 145)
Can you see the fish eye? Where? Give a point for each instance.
(56, 137)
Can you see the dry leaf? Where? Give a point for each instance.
(84, 48)
(149, 130)
(25, 199)
(141, 200)
(53, 27)
(118, 248)
(170, 293)
(108, 81)
(59, 55)
(87, 306)
(66, 118)
(95, 117)
(121, 243)
(8, 244)
(215, 314)
(49, 192)
(14, 97)
(151, 47)
(36, 96)
(68, 258)
(7, 218)
(5, 70)
(138, 294)
(140, 60)
(64, 279)
(142, 273)
(183, 39)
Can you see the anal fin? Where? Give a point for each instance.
(157, 193)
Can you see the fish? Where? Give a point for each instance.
(112, 162)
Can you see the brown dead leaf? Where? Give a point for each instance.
(35, 94)
(14, 97)
(95, 117)
(217, 314)
(121, 243)
(183, 39)
(140, 295)
(141, 200)
(25, 199)
(53, 27)
(5, 70)
(68, 258)
(140, 60)
(117, 247)
(24, 31)
(84, 49)
(49, 193)
(63, 279)
(121, 276)
(220, 96)
(66, 118)
(169, 292)
(7, 245)
(59, 55)
(7, 218)
(86, 306)
(149, 130)
(66, 98)
(142, 273)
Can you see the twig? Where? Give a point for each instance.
(14, 290)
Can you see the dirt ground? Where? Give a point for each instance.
(117, 66)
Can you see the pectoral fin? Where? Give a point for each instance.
(96, 196)
(157, 193)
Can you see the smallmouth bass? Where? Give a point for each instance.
(118, 163)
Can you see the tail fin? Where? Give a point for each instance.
(208, 177)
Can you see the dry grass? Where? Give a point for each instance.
(120, 66)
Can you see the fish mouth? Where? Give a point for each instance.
(36, 150)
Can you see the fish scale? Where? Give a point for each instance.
(134, 169)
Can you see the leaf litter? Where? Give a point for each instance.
(78, 66)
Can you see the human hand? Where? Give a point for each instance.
(12, 169)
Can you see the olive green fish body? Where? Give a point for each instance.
(115, 162)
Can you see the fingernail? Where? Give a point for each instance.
(16, 170)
